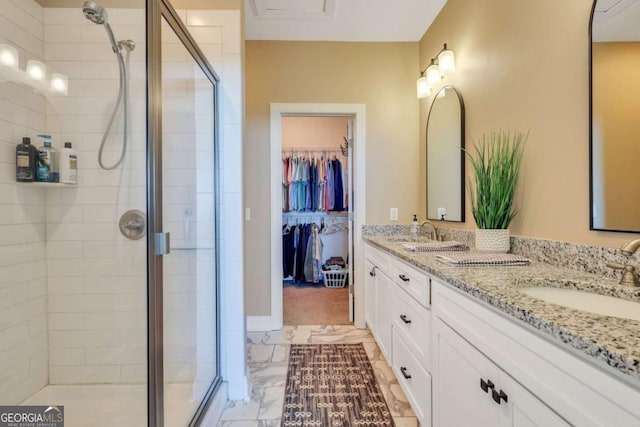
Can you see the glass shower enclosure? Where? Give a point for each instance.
(109, 286)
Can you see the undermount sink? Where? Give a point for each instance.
(586, 301)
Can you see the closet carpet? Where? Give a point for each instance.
(315, 306)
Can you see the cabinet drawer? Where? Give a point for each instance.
(377, 258)
(413, 281)
(413, 322)
(414, 380)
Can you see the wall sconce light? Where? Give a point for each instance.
(34, 76)
(9, 56)
(36, 70)
(59, 83)
(442, 65)
(423, 86)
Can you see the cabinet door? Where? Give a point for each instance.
(459, 368)
(523, 409)
(370, 271)
(383, 314)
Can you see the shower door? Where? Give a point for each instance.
(186, 292)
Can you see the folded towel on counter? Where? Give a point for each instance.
(450, 245)
(483, 259)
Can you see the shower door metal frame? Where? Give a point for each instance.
(156, 11)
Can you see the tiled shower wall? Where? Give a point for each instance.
(23, 301)
(96, 277)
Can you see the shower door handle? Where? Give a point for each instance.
(163, 243)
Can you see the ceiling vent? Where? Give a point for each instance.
(300, 10)
(607, 9)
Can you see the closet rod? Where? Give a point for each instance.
(310, 150)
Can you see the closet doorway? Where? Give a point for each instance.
(316, 239)
(315, 217)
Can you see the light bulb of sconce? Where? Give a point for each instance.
(423, 87)
(446, 61)
(59, 83)
(36, 70)
(433, 74)
(9, 56)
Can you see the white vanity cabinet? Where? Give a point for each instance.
(378, 292)
(397, 310)
(470, 390)
(490, 370)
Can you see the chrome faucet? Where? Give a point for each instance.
(629, 276)
(434, 235)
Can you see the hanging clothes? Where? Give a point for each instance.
(312, 184)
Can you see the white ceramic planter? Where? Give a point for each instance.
(491, 240)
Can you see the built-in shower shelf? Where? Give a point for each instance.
(46, 184)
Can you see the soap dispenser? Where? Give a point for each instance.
(415, 226)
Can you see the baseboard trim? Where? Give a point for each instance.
(259, 323)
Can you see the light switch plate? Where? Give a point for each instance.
(393, 214)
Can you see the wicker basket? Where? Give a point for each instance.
(335, 278)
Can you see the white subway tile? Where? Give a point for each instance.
(98, 374)
(65, 321)
(206, 35)
(32, 8)
(65, 285)
(211, 18)
(75, 339)
(231, 35)
(67, 357)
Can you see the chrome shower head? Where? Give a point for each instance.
(95, 13)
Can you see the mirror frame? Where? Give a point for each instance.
(591, 225)
(463, 206)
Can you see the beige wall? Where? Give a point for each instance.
(616, 95)
(313, 132)
(379, 75)
(520, 66)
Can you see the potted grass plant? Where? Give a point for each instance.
(496, 161)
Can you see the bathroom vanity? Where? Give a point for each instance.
(470, 347)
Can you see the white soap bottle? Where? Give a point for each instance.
(68, 165)
(415, 227)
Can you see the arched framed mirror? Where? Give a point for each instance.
(445, 158)
(614, 115)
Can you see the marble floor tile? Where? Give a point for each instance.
(256, 337)
(288, 336)
(268, 355)
(259, 353)
(243, 410)
(272, 403)
(281, 353)
(268, 374)
(373, 351)
(406, 421)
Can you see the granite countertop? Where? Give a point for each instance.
(612, 340)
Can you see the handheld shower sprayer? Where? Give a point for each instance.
(98, 15)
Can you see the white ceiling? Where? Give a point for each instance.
(339, 20)
(616, 20)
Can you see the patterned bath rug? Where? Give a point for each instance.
(332, 385)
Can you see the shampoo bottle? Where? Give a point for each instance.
(47, 161)
(68, 165)
(26, 161)
(415, 226)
